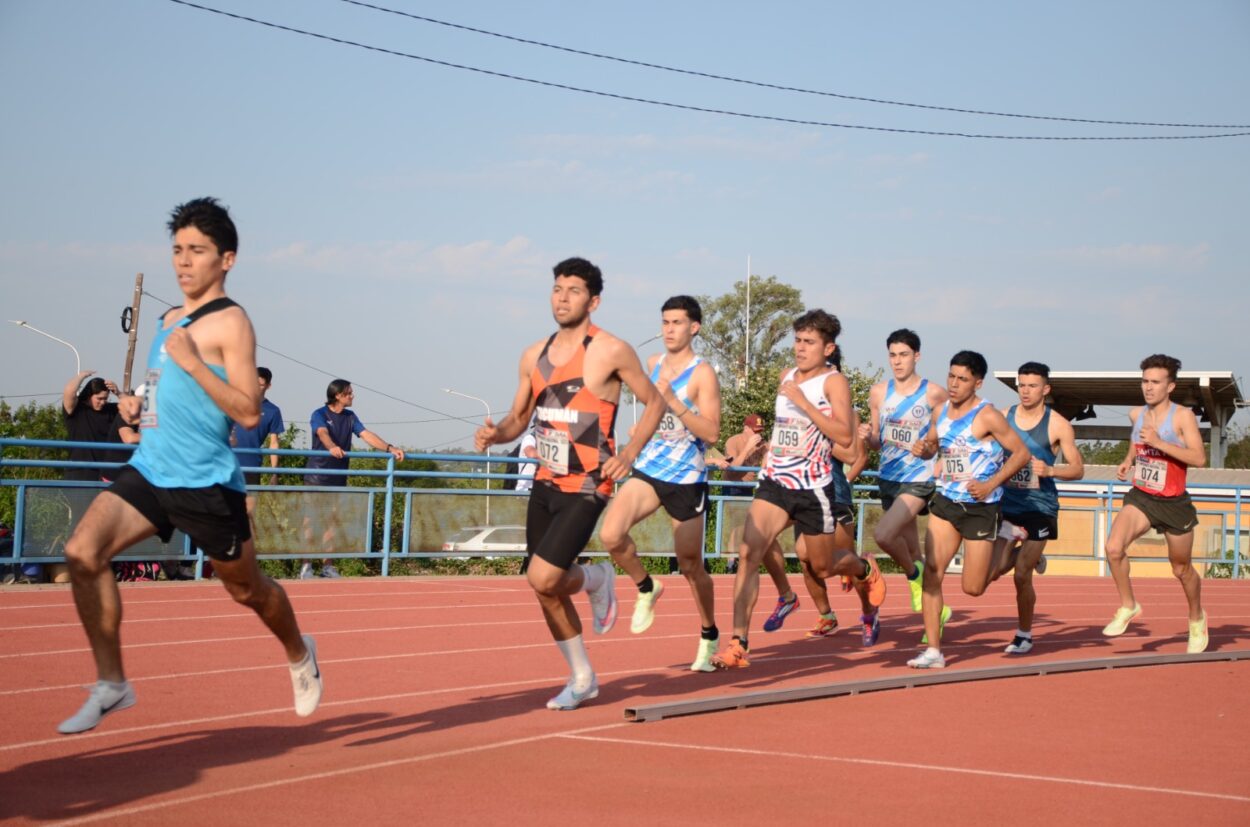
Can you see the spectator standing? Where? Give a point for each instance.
(89, 417)
(264, 435)
(333, 426)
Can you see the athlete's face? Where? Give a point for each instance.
(197, 262)
(961, 385)
(902, 361)
(677, 329)
(1033, 390)
(1156, 385)
(264, 386)
(571, 301)
(811, 351)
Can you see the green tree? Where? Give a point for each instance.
(1238, 452)
(726, 329)
(1100, 452)
(29, 421)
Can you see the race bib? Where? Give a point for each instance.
(671, 428)
(1024, 478)
(957, 465)
(788, 437)
(553, 450)
(1150, 473)
(147, 414)
(900, 434)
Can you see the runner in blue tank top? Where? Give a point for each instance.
(671, 472)
(900, 411)
(1030, 499)
(201, 375)
(971, 436)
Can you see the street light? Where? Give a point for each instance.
(53, 338)
(487, 407)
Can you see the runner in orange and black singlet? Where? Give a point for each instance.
(574, 428)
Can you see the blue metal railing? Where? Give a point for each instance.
(401, 487)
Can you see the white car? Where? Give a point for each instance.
(487, 540)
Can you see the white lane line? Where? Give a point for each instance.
(873, 762)
(321, 776)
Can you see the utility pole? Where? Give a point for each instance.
(130, 325)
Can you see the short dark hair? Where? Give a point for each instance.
(903, 336)
(1034, 369)
(336, 387)
(582, 269)
(686, 303)
(210, 218)
(826, 324)
(1160, 360)
(971, 360)
(266, 374)
(94, 385)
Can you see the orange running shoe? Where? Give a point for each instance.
(874, 583)
(734, 656)
(825, 627)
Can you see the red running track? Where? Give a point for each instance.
(434, 708)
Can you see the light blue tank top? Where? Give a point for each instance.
(904, 420)
(963, 458)
(1026, 492)
(674, 454)
(184, 437)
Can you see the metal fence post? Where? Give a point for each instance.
(386, 516)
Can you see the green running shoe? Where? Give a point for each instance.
(946, 615)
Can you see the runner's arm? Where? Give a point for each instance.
(706, 423)
(1073, 467)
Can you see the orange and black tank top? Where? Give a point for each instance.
(574, 428)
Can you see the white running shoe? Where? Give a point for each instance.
(1019, 646)
(1040, 568)
(306, 680)
(603, 601)
(306, 572)
(703, 660)
(928, 659)
(1120, 620)
(570, 697)
(644, 608)
(329, 571)
(1011, 531)
(104, 699)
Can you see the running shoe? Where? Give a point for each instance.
(946, 615)
(330, 571)
(306, 572)
(780, 612)
(603, 601)
(1020, 645)
(874, 583)
(928, 659)
(1119, 622)
(1197, 635)
(1040, 568)
(1011, 531)
(916, 588)
(571, 697)
(306, 680)
(703, 661)
(105, 699)
(825, 627)
(644, 608)
(734, 656)
(872, 627)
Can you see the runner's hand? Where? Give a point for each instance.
(181, 348)
(864, 430)
(1122, 471)
(484, 437)
(980, 490)
(615, 468)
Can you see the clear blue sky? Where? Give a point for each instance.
(399, 220)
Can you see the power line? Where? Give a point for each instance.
(703, 109)
(446, 416)
(780, 87)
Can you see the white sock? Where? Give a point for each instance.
(1024, 634)
(933, 652)
(593, 577)
(116, 688)
(574, 651)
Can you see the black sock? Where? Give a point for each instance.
(867, 571)
(710, 632)
(743, 641)
(645, 585)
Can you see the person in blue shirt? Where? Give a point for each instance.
(201, 374)
(333, 425)
(265, 434)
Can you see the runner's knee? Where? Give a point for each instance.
(83, 558)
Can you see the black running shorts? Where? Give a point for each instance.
(811, 509)
(973, 521)
(682, 501)
(215, 518)
(559, 525)
(1167, 515)
(1040, 526)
